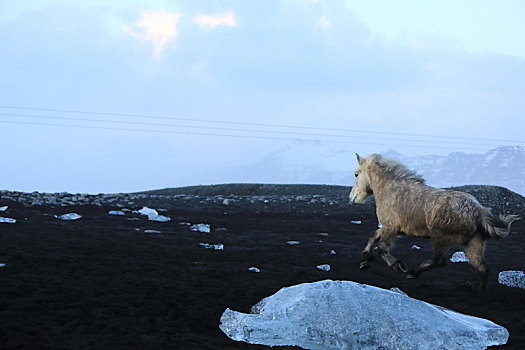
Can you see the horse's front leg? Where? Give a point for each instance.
(367, 252)
(385, 241)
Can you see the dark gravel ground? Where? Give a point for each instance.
(102, 283)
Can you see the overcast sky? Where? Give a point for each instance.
(194, 70)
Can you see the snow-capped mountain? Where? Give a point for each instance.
(318, 163)
(503, 166)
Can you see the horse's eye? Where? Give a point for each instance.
(356, 174)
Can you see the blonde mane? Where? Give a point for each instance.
(394, 170)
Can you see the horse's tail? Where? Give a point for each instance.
(496, 227)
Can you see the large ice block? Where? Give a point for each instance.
(347, 315)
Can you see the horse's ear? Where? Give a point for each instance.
(359, 159)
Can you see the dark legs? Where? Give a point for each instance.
(438, 259)
(475, 252)
(385, 240)
(367, 252)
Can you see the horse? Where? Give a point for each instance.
(406, 205)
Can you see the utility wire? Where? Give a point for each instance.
(255, 124)
(228, 135)
(237, 129)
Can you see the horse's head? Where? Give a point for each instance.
(361, 189)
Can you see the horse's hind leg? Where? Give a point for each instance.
(438, 259)
(385, 241)
(475, 252)
(367, 252)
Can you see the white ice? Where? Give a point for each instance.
(219, 246)
(324, 267)
(7, 220)
(200, 228)
(347, 315)
(69, 217)
(293, 242)
(116, 212)
(153, 215)
(512, 278)
(2, 265)
(416, 247)
(254, 269)
(459, 257)
(4, 208)
(356, 222)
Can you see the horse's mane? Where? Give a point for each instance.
(395, 170)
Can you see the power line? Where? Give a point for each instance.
(237, 129)
(255, 124)
(227, 135)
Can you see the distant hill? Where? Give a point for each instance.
(499, 198)
(318, 163)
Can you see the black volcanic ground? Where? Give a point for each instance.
(103, 282)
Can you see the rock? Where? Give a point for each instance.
(512, 278)
(227, 201)
(347, 315)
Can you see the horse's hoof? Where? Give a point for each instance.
(402, 266)
(364, 265)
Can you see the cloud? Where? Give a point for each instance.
(159, 28)
(323, 22)
(209, 22)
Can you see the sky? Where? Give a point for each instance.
(120, 96)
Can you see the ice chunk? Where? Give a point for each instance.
(149, 232)
(153, 215)
(4, 208)
(219, 246)
(512, 278)
(69, 217)
(324, 267)
(416, 247)
(2, 264)
(147, 211)
(459, 257)
(254, 269)
(7, 220)
(356, 222)
(200, 228)
(116, 212)
(347, 315)
(159, 218)
(332, 252)
(293, 242)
